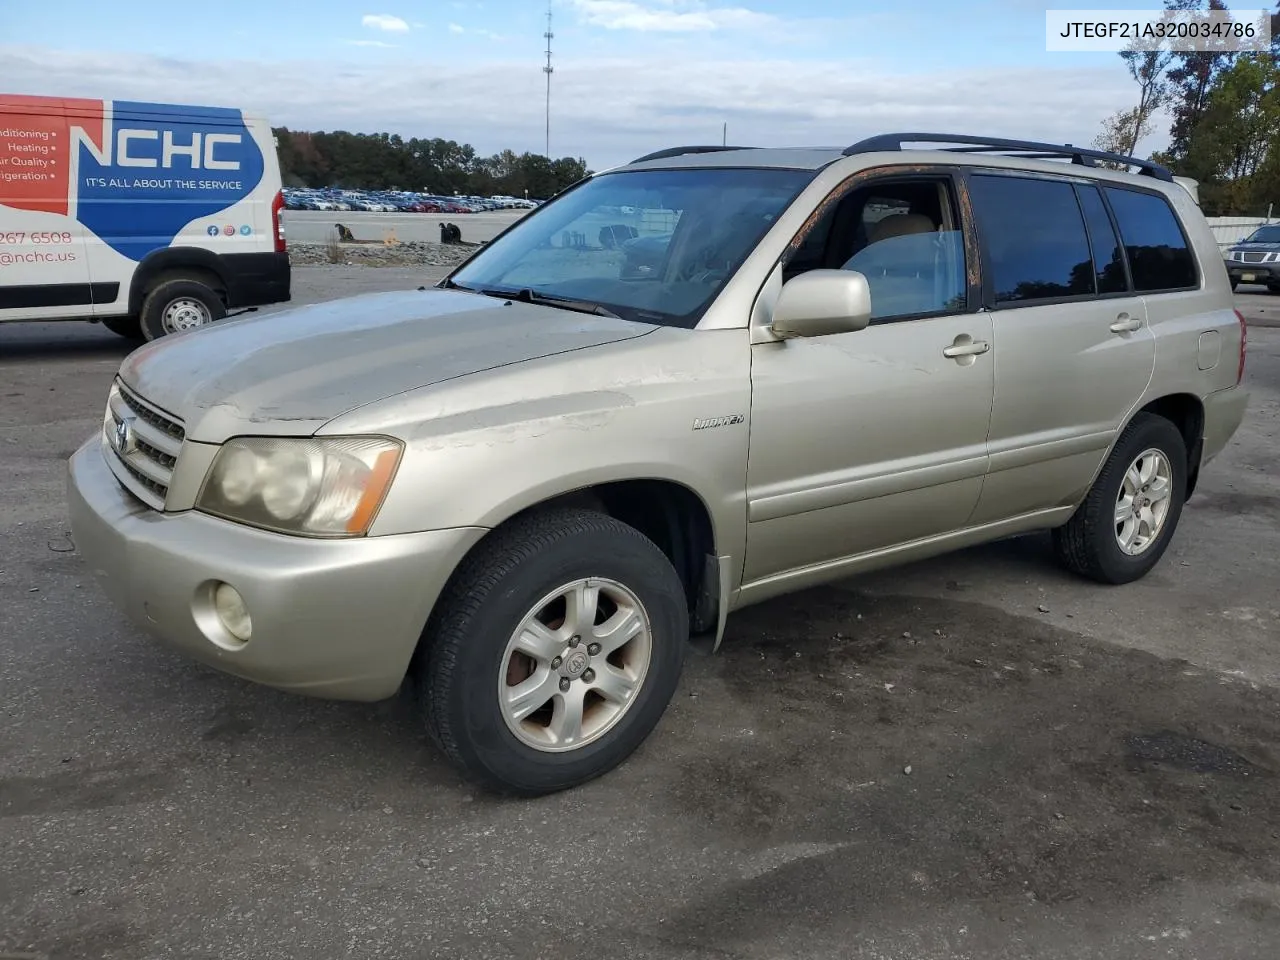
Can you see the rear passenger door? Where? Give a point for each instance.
(1073, 349)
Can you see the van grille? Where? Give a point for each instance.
(143, 444)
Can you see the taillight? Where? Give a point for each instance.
(277, 224)
(1244, 337)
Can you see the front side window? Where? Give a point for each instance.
(1035, 238)
(1159, 256)
(650, 245)
(904, 236)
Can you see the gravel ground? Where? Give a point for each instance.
(973, 758)
(397, 254)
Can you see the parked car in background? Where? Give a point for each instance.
(1256, 258)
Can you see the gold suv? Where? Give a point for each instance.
(683, 386)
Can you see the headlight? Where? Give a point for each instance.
(318, 486)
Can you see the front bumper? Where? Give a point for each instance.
(331, 618)
(1253, 272)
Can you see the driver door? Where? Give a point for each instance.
(864, 441)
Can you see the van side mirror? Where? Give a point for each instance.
(821, 302)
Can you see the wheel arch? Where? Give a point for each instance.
(672, 514)
(174, 263)
(1186, 412)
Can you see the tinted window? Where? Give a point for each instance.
(1035, 236)
(1158, 255)
(1108, 261)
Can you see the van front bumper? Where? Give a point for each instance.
(330, 618)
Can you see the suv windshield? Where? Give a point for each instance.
(1265, 235)
(649, 245)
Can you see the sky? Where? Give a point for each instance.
(629, 76)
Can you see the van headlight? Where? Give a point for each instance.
(317, 486)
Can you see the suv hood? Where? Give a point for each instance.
(293, 371)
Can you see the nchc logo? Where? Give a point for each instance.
(157, 148)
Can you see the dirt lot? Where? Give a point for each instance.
(976, 757)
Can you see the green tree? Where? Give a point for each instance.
(1234, 149)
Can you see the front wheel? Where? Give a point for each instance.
(1274, 287)
(554, 652)
(1126, 521)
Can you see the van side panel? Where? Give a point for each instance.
(44, 270)
(151, 189)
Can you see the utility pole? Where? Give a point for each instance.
(547, 70)
(724, 135)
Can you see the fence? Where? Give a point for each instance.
(1229, 230)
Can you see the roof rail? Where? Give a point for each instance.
(681, 151)
(1028, 148)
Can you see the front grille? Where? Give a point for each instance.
(144, 452)
(1253, 257)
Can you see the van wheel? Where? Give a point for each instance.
(553, 653)
(178, 305)
(128, 327)
(1124, 525)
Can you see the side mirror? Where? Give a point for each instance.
(821, 302)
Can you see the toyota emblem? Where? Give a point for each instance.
(124, 435)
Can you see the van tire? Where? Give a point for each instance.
(1088, 544)
(179, 304)
(466, 646)
(128, 327)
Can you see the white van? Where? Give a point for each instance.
(149, 218)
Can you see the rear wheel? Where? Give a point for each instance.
(1124, 525)
(178, 305)
(553, 653)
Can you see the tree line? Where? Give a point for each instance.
(1224, 110)
(380, 161)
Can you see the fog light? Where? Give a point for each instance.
(232, 612)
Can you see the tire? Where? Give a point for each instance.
(1274, 287)
(1089, 543)
(177, 305)
(465, 667)
(128, 327)
(1234, 284)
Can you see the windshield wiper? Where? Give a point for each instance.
(526, 295)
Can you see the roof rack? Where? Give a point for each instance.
(681, 151)
(1030, 149)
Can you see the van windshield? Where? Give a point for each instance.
(648, 245)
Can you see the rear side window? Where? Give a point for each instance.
(1159, 256)
(1108, 259)
(1035, 237)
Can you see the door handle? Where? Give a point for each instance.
(968, 349)
(1126, 324)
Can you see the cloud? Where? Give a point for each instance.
(666, 16)
(455, 28)
(384, 21)
(607, 110)
(370, 43)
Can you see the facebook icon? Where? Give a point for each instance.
(212, 231)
